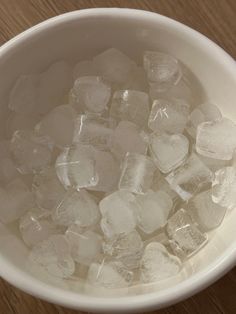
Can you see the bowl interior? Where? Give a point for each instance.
(81, 35)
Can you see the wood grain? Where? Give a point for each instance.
(214, 18)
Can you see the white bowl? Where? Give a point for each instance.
(80, 35)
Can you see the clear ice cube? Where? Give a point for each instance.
(84, 68)
(75, 167)
(94, 130)
(216, 139)
(168, 151)
(202, 113)
(130, 105)
(185, 238)
(85, 246)
(127, 138)
(163, 70)
(31, 151)
(190, 178)
(58, 124)
(126, 248)
(224, 187)
(137, 173)
(168, 115)
(114, 65)
(77, 207)
(90, 93)
(207, 214)
(118, 213)
(158, 264)
(153, 210)
(47, 189)
(53, 255)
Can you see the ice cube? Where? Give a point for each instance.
(168, 115)
(127, 138)
(76, 207)
(130, 105)
(224, 187)
(108, 171)
(202, 113)
(55, 83)
(190, 178)
(8, 170)
(114, 65)
(110, 275)
(24, 95)
(185, 238)
(126, 248)
(207, 214)
(47, 189)
(137, 173)
(85, 246)
(17, 121)
(75, 167)
(58, 124)
(118, 213)
(169, 151)
(163, 70)
(160, 184)
(216, 139)
(35, 227)
(53, 255)
(153, 210)
(158, 264)
(94, 130)
(212, 163)
(90, 93)
(137, 80)
(31, 152)
(84, 68)
(15, 200)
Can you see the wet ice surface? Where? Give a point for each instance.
(115, 172)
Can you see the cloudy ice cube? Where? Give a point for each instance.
(169, 151)
(212, 163)
(118, 213)
(31, 152)
(216, 139)
(84, 68)
(224, 187)
(158, 264)
(185, 238)
(168, 115)
(207, 214)
(137, 80)
(8, 170)
(153, 210)
(47, 189)
(137, 173)
(35, 227)
(163, 70)
(130, 105)
(58, 124)
(94, 130)
(15, 200)
(85, 246)
(202, 113)
(76, 207)
(53, 255)
(126, 248)
(55, 83)
(127, 138)
(75, 167)
(114, 65)
(18, 121)
(110, 275)
(190, 178)
(24, 95)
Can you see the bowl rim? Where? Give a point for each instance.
(138, 303)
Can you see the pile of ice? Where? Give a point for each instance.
(95, 169)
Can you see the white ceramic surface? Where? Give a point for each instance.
(80, 35)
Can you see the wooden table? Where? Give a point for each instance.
(214, 18)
